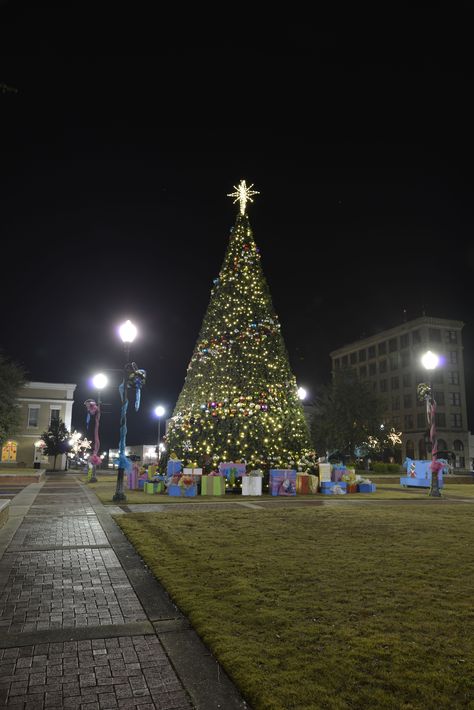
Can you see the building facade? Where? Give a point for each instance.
(391, 362)
(40, 403)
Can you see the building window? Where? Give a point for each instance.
(458, 445)
(410, 449)
(453, 357)
(363, 371)
(408, 421)
(407, 401)
(371, 351)
(442, 445)
(382, 348)
(393, 358)
(396, 422)
(33, 416)
(451, 336)
(454, 399)
(422, 450)
(353, 358)
(54, 416)
(453, 377)
(434, 334)
(437, 377)
(344, 361)
(362, 355)
(383, 385)
(9, 452)
(407, 379)
(372, 368)
(395, 383)
(405, 358)
(392, 345)
(440, 420)
(404, 342)
(456, 421)
(421, 421)
(396, 402)
(382, 366)
(416, 337)
(337, 364)
(439, 398)
(374, 386)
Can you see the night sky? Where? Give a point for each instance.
(121, 139)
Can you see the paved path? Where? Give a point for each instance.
(83, 624)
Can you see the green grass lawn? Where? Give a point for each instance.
(329, 607)
(105, 488)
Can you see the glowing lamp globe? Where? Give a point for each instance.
(100, 381)
(430, 360)
(128, 332)
(302, 393)
(159, 411)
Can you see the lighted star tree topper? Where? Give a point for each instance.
(240, 399)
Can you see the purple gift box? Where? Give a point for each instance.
(282, 482)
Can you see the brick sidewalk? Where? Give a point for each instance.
(84, 625)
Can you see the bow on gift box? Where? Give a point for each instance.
(186, 481)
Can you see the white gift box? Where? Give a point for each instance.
(192, 471)
(251, 485)
(324, 472)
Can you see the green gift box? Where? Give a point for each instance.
(212, 486)
(154, 487)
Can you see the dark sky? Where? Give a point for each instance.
(124, 134)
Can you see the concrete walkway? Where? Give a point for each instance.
(83, 623)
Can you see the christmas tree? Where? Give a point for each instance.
(239, 401)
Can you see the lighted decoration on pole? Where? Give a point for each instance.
(430, 361)
(93, 409)
(132, 378)
(159, 412)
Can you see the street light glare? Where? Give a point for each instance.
(302, 393)
(430, 360)
(128, 332)
(159, 410)
(100, 381)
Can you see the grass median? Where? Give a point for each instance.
(333, 607)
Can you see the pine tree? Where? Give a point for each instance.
(56, 439)
(239, 400)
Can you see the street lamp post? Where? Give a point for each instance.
(99, 381)
(127, 332)
(159, 412)
(430, 362)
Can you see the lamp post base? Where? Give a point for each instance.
(434, 488)
(119, 495)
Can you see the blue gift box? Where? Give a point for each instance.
(282, 482)
(173, 466)
(179, 491)
(366, 487)
(226, 468)
(327, 487)
(141, 484)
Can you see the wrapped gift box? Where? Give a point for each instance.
(180, 491)
(152, 471)
(366, 487)
(192, 471)
(351, 488)
(132, 480)
(324, 471)
(141, 484)
(173, 466)
(306, 484)
(327, 487)
(212, 486)
(251, 485)
(282, 482)
(228, 467)
(152, 487)
(337, 473)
